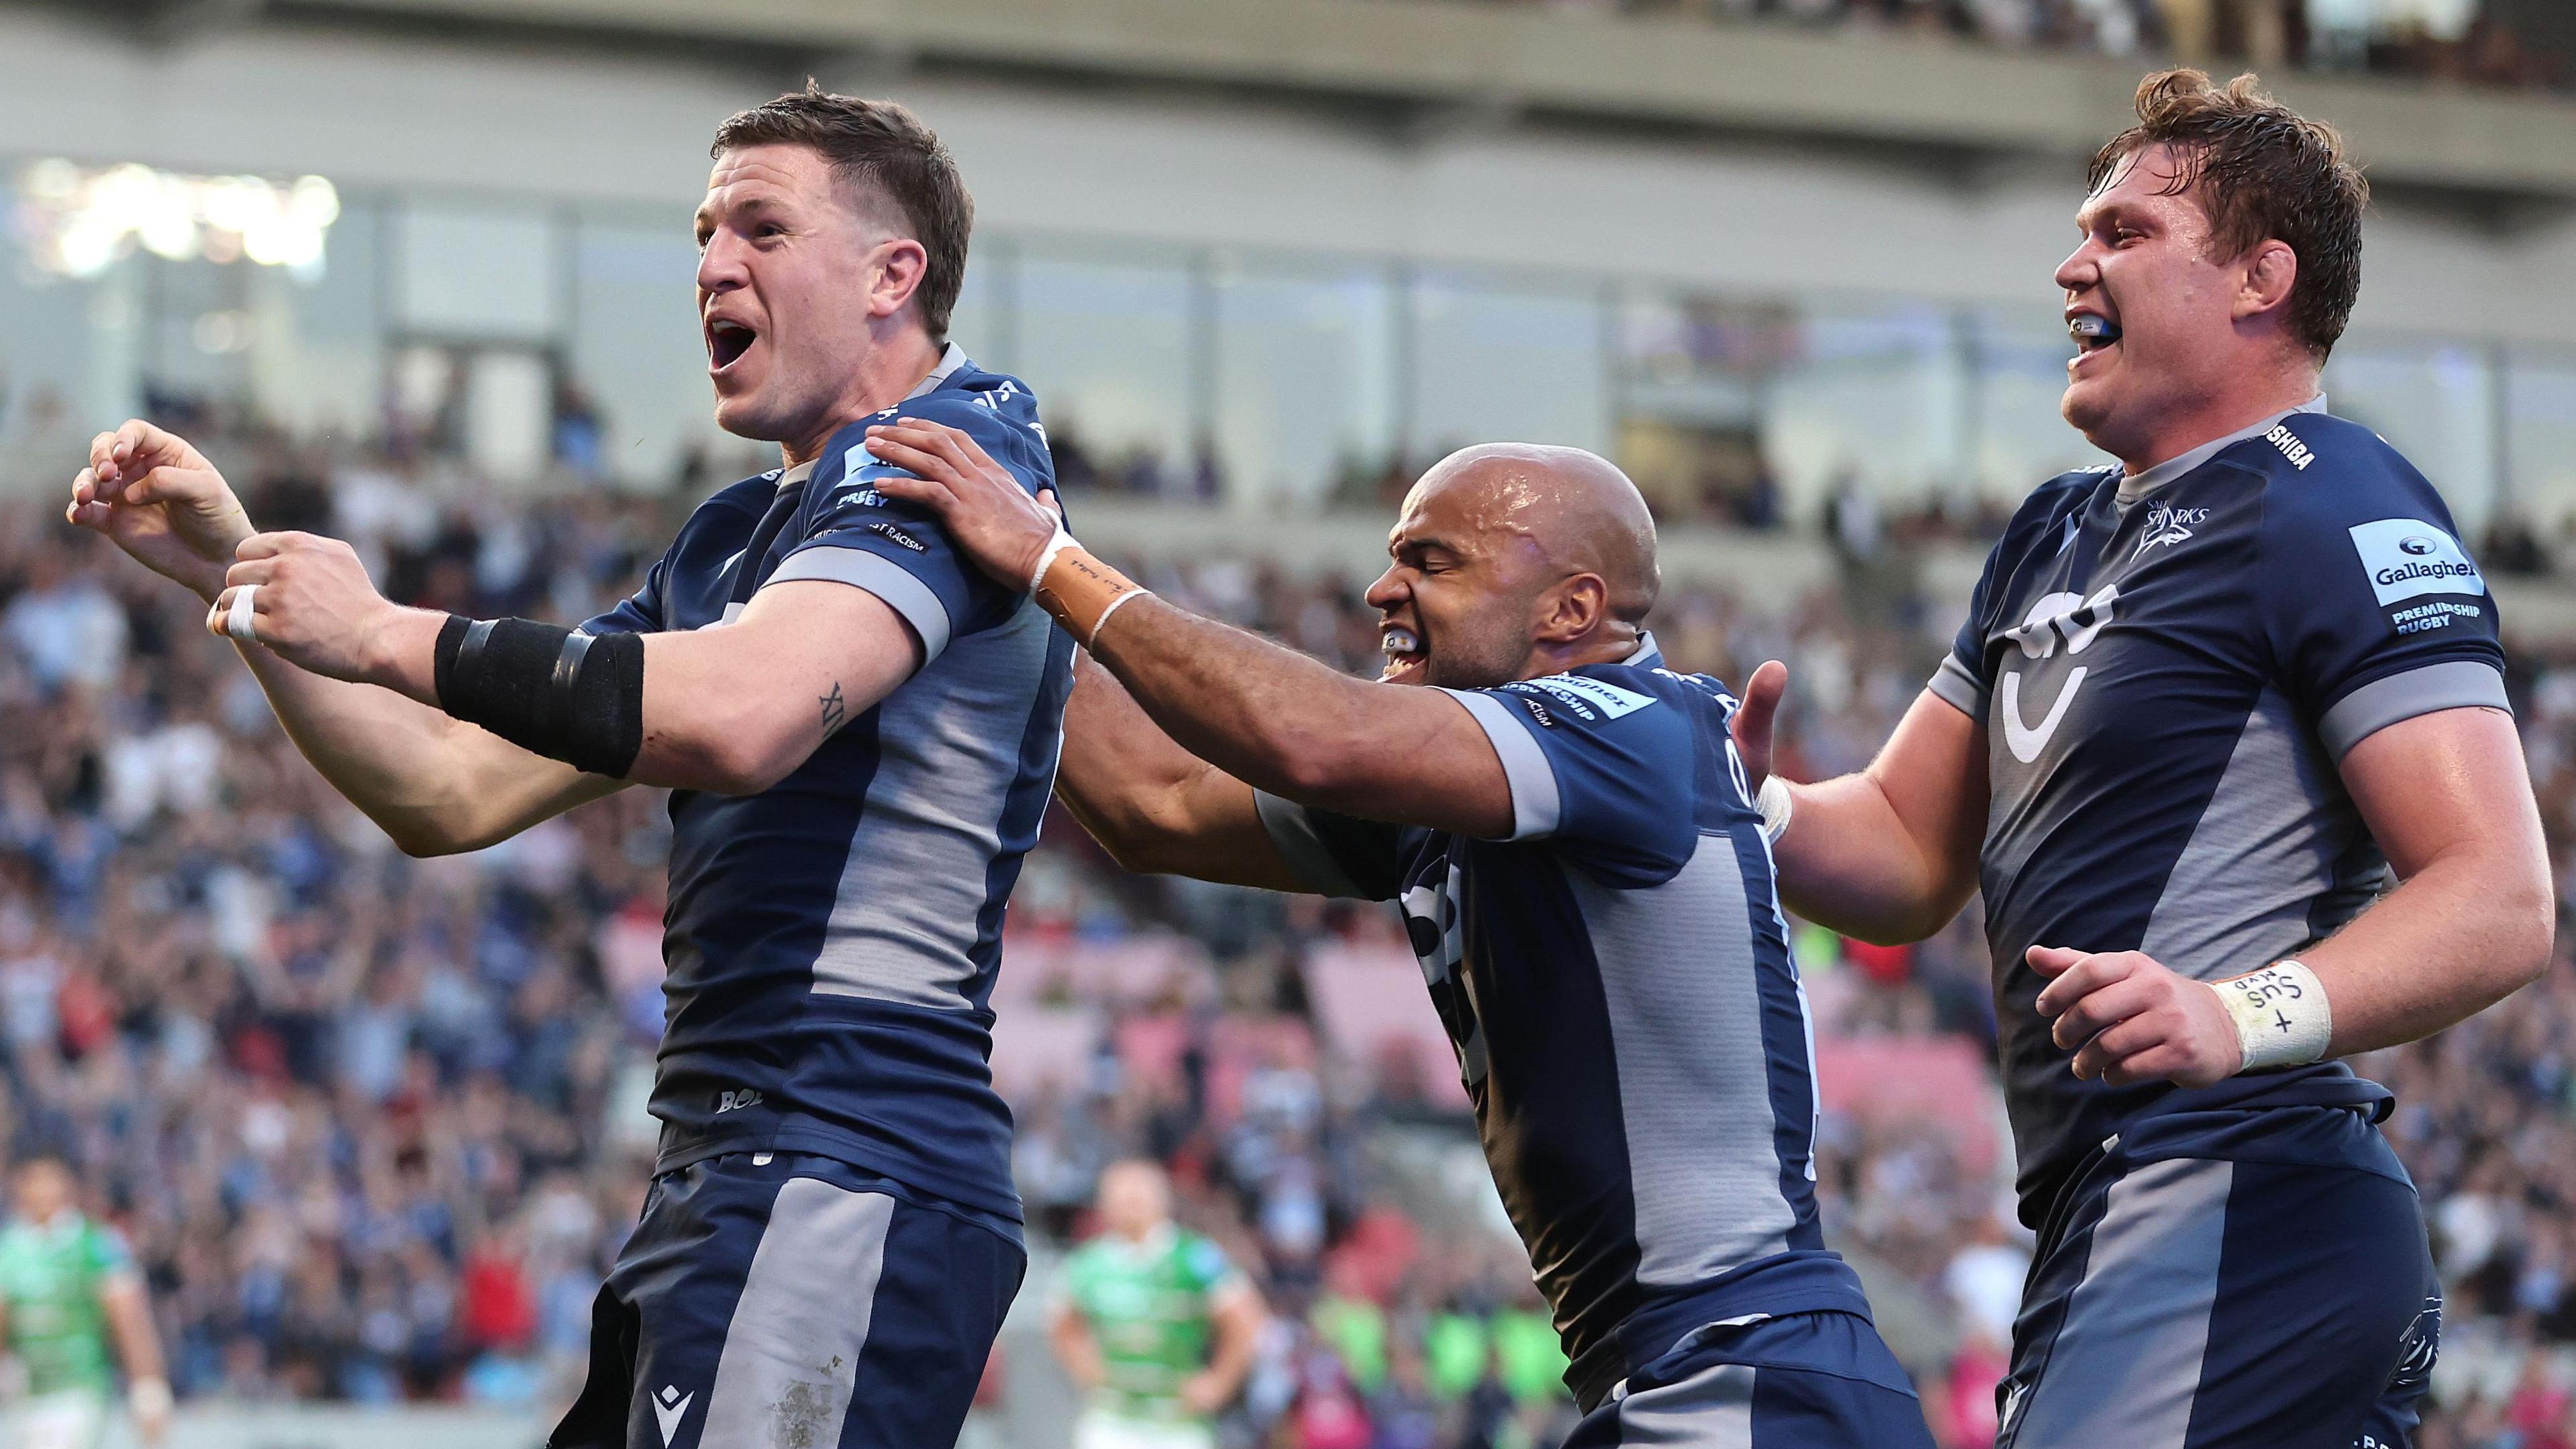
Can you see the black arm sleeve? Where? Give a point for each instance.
(561, 693)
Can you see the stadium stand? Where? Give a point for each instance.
(374, 1124)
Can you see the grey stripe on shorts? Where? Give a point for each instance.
(1712, 1409)
(791, 1354)
(2126, 1364)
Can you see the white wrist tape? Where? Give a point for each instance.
(1776, 804)
(2282, 1018)
(1114, 606)
(237, 619)
(1046, 556)
(150, 1398)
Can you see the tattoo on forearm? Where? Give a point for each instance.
(835, 713)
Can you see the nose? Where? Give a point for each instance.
(1391, 589)
(721, 263)
(2081, 269)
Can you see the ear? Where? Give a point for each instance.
(1573, 608)
(900, 265)
(2271, 273)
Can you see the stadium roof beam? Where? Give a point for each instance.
(1445, 53)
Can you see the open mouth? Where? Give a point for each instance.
(727, 341)
(1404, 651)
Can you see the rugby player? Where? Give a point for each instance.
(1152, 1320)
(2207, 703)
(72, 1310)
(1581, 869)
(859, 758)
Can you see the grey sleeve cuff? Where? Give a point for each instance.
(1958, 688)
(880, 576)
(1294, 834)
(1536, 805)
(2451, 684)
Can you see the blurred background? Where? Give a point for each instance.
(417, 273)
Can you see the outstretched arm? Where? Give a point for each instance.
(1267, 715)
(1157, 808)
(1888, 854)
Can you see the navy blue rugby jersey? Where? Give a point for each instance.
(1617, 983)
(832, 941)
(2170, 668)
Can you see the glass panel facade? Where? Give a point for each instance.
(1104, 336)
(1305, 374)
(1489, 361)
(1270, 379)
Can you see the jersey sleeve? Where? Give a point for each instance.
(1210, 1271)
(1336, 855)
(1962, 680)
(2374, 611)
(851, 533)
(1601, 761)
(639, 612)
(109, 1254)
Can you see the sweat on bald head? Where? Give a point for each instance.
(1563, 508)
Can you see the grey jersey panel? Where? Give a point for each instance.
(904, 922)
(1678, 977)
(2278, 833)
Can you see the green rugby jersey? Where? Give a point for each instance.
(1151, 1307)
(51, 1275)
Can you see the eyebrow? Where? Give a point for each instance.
(708, 210)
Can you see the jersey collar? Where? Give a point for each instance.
(1648, 655)
(949, 361)
(2139, 485)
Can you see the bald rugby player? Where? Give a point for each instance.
(1583, 873)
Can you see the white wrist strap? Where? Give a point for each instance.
(1776, 804)
(1046, 556)
(1116, 604)
(237, 619)
(2282, 1018)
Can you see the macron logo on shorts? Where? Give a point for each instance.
(2406, 557)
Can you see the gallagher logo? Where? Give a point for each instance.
(2408, 557)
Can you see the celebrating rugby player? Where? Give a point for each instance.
(2209, 704)
(1578, 860)
(858, 731)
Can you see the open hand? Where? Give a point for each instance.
(312, 605)
(2129, 1019)
(157, 498)
(993, 519)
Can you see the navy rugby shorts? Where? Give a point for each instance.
(779, 1299)
(2278, 1296)
(1798, 1381)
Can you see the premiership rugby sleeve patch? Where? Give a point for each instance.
(2407, 558)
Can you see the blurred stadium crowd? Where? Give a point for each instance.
(374, 1125)
(2488, 42)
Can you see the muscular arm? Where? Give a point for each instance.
(1157, 808)
(436, 785)
(731, 709)
(1267, 715)
(1298, 728)
(2448, 798)
(1888, 854)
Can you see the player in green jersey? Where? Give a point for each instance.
(67, 1287)
(1152, 1321)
